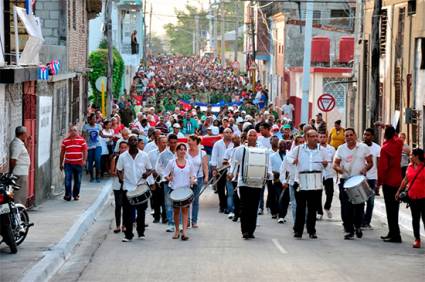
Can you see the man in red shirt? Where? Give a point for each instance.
(389, 176)
(73, 158)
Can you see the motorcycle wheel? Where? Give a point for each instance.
(20, 237)
(9, 239)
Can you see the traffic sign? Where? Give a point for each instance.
(99, 82)
(326, 102)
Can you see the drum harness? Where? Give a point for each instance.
(307, 172)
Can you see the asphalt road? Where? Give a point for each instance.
(216, 252)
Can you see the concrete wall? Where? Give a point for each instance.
(53, 14)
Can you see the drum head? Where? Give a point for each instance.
(140, 189)
(181, 194)
(354, 181)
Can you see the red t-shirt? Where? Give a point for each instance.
(74, 149)
(417, 190)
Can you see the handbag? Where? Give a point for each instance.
(403, 196)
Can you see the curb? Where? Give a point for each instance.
(56, 257)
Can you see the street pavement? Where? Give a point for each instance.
(216, 252)
(53, 220)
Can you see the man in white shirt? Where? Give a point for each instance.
(163, 159)
(151, 146)
(352, 158)
(311, 161)
(20, 162)
(281, 191)
(249, 192)
(288, 110)
(232, 198)
(328, 177)
(216, 163)
(132, 167)
(371, 175)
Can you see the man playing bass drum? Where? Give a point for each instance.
(250, 187)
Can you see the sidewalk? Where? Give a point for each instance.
(58, 227)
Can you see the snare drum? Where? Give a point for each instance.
(357, 189)
(311, 180)
(182, 197)
(139, 196)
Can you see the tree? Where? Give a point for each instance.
(98, 61)
(157, 45)
(180, 35)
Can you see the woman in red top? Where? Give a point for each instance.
(415, 181)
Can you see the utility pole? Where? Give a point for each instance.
(358, 32)
(150, 31)
(374, 85)
(223, 59)
(144, 33)
(254, 80)
(215, 34)
(308, 30)
(108, 25)
(235, 50)
(197, 35)
(210, 26)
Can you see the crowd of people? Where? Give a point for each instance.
(166, 148)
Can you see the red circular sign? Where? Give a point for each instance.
(326, 102)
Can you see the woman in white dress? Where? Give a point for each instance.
(199, 161)
(180, 174)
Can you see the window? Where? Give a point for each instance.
(316, 16)
(339, 14)
(383, 32)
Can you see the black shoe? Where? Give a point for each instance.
(298, 235)
(164, 221)
(251, 236)
(245, 236)
(359, 233)
(156, 221)
(146, 225)
(313, 236)
(386, 237)
(67, 198)
(349, 236)
(393, 240)
(274, 216)
(221, 210)
(226, 211)
(235, 219)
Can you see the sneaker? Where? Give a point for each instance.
(141, 237)
(281, 220)
(274, 216)
(126, 240)
(231, 215)
(170, 229)
(328, 213)
(417, 244)
(319, 217)
(349, 236)
(260, 211)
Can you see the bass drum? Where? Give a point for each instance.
(182, 197)
(357, 189)
(139, 196)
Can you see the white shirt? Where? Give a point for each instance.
(133, 168)
(288, 167)
(329, 172)
(309, 159)
(179, 134)
(375, 151)
(151, 146)
(352, 161)
(218, 151)
(237, 161)
(162, 162)
(19, 152)
(276, 160)
(288, 110)
(228, 156)
(197, 162)
(181, 176)
(264, 142)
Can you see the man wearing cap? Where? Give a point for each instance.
(176, 130)
(20, 162)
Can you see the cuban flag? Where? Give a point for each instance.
(43, 73)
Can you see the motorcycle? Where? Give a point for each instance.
(14, 219)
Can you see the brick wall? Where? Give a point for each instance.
(77, 35)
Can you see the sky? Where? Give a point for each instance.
(163, 12)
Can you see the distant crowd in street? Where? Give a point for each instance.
(166, 149)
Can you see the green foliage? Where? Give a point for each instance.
(98, 61)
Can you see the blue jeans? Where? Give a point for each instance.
(230, 203)
(72, 171)
(195, 203)
(367, 218)
(94, 155)
(293, 201)
(168, 204)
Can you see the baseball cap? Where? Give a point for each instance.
(176, 125)
(286, 126)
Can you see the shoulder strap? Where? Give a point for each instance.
(243, 160)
